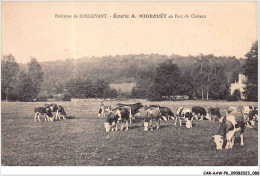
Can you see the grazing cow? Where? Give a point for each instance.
(60, 113)
(199, 111)
(232, 109)
(149, 106)
(185, 113)
(103, 109)
(250, 114)
(53, 107)
(166, 113)
(133, 108)
(215, 113)
(152, 113)
(231, 124)
(46, 112)
(114, 116)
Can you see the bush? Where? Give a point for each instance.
(50, 96)
(41, 98)
(113, 93)
(66, 97)
(235, 96)
(62, 97)
(231, 98)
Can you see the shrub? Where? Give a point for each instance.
(235, 96)
(231, 98)
(66, 97)
(41, 98)
(62, 97)
(50, 96)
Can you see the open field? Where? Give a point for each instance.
(82, 141)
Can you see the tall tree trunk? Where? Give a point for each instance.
(202, 94)
(7, 94)
(207, 93)
(208, 89)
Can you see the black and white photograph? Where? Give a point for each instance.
(120, 83)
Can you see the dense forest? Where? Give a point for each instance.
(202, 76)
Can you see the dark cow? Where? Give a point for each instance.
(46, 112)
(149, 106)
(60, 113)
(114, 116)
(166, 113)
(185, 113)
(199, 111)
(53, 107)
(103, 109)
(250, 114)
(231, 124)
(133, 108)
(215, 113)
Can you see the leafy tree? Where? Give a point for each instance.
(9, 70)
(152, 92)
(218, 84)
(218, 88)
(251, 72)
(201, 74)
(58, 88)
(188, 85)
(167, 79)
(113, 93)
(101, 89)
(144, 79)
(209, 76)
(24, 87)
(251, 64)
(251, 92)
(79, 88)
(35, 73)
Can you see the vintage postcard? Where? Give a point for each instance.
(170, 85)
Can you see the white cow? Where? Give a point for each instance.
(231, 124)
(186, 114)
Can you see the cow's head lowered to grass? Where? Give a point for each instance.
(188, 119)
(219, 141)
(231, 124)
(107, 127)
(188, 124)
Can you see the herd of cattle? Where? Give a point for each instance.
(47, 110)
(235, 119)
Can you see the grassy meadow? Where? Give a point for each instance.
(82, 140)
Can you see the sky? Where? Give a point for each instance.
(30, 29)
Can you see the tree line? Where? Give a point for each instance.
(206, 77)
(26, 84)
(18, 84)
(156, 76)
